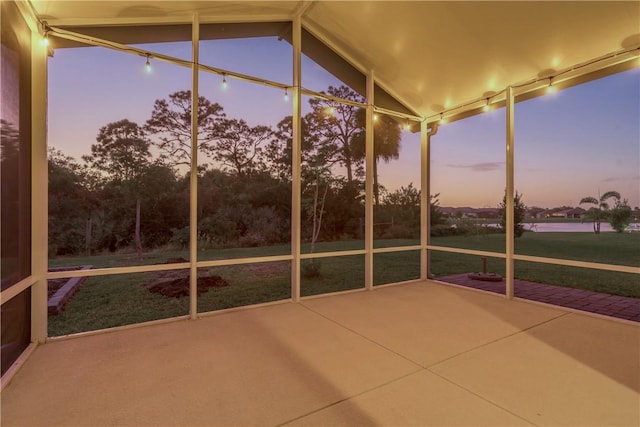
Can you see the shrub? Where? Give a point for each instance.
(179, 237)
(252, 239)
(70, 242)
(398, 232)
(266, 226)
(217, 229)
(467, 226)
(311, 269)
(442, 230)
(620, 216)
(519, 210)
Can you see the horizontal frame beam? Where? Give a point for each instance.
(7, 294)
(542, 260)
(397, 249)
(177, 19)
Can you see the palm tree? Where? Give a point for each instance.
(386, 141)
(387, 137)
(599, 211)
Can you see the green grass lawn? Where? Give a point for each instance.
(608, 248)
(108, 301)
(114, 300)
(395, 267)
(248, 284)
(336, 274)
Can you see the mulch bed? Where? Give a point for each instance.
(175, 284)
(179, 287)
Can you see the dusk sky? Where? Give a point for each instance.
(569, 144)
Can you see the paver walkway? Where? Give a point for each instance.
(609, 305)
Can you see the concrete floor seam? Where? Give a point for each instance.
(337, 402)
(363, 336)
(433, 365)
(481, 397)
(427, 368)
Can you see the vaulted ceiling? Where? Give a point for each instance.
(430, 55)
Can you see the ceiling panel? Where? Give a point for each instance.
(431, 55)
(435, 55)
(89, 12)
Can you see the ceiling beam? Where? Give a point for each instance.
(303, 7)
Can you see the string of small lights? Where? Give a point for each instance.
(441, 117)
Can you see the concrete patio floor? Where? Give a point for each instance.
(423, 354)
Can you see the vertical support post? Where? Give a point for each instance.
(193, 179)
(425, 209)
(369, 178)
(509, 195)
(39, 189)
(296, 144)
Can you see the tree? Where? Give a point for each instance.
(315, 187)
(317, 211)
(72, 203)
(600, 211)
(239, 145)
(401, 210)
(10, 191)
(386, 144)
(171, 122)
(406, 197)
(335, 126)
(276, 156)
(165, 200)
(519, 210)
(435, 214)
(9, 142)
(621, 215)
(248, 210)
(122, 153)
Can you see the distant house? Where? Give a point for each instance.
(487, 212)
(469, 212)
(536, 212)
(575, 213)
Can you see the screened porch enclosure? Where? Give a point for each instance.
(257, 174)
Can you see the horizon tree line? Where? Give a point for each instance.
(129, 191)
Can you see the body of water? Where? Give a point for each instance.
(571, 227)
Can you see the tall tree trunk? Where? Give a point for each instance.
(137, 238)
(317, 217)
(347, 163)
(87, 235)
(376, 190)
